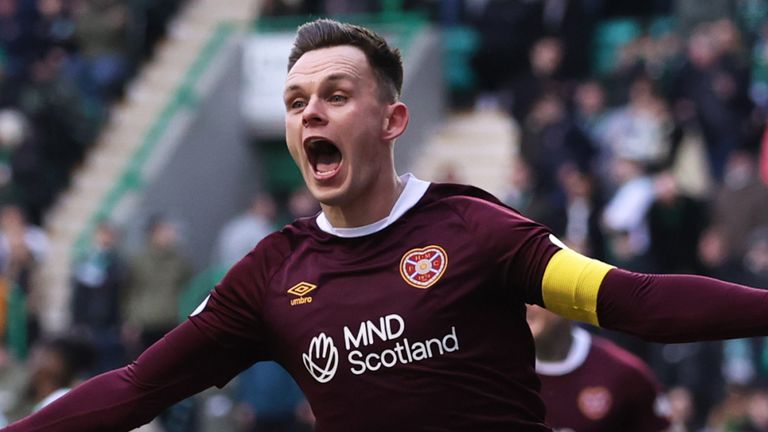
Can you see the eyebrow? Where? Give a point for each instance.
(339, 76)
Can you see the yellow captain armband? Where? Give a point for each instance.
(570, 285)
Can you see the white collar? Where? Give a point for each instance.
(577, 354)
(412, 193)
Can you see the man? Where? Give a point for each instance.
(98, 279)
(589, 384)
(401, 306)
(238, 236)
(156, 276)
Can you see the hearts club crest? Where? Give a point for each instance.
(423, 267)
(595, 402)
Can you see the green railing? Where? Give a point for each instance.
(16, 337)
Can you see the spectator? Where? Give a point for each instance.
(526, 195)
(55, 26)
(583, 207)
(23, 247)
(675, 222)
(54, 367)
(16, 37)
(757, 412)
(731, 412)
(741, 203)
(755, 261)
(102, 34)
(744, 410)
(241, 234)
(624, 216)
(13, 379)
(682, 410)
(639, 130)
(56, 110)
(302, 204)
(98, 280)
(546, 57)
(155, 18)
(590, 107)
(550, 139)
(13, 133)
(156, 275)
(744, 360)
(716, 85)
(271, 401)
(448, 172)
(506, 31)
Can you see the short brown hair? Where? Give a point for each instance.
(384, 60)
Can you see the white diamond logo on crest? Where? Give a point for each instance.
(423, 267)
(322, 359)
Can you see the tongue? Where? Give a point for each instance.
(327, 162)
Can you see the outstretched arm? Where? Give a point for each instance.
(181, 364)
(662, 308)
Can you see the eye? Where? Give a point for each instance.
(337, 99)
(297, 104)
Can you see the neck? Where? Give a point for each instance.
(556, 346)
(370, 210)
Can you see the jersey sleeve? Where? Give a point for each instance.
(680, 308)
(231, 314)
(223, 337)
(661, 308)
(181, 364)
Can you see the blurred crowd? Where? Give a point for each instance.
(62, 64)
(642, 143)
(125, 299)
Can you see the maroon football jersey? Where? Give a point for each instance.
(600, 387)
(413, 323)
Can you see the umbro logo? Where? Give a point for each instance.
(322, 359)
(300, 290)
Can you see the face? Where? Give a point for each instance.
(543, 323)
(164, 236)
(337, 126)
(104, 237)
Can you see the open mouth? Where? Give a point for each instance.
(324, 157)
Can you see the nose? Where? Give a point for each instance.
(313, 113)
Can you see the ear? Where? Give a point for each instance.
(395, 122)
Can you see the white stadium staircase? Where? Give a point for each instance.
(478, 145)
(199, 25)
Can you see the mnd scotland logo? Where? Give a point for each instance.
(364, 351)
(322, 359)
